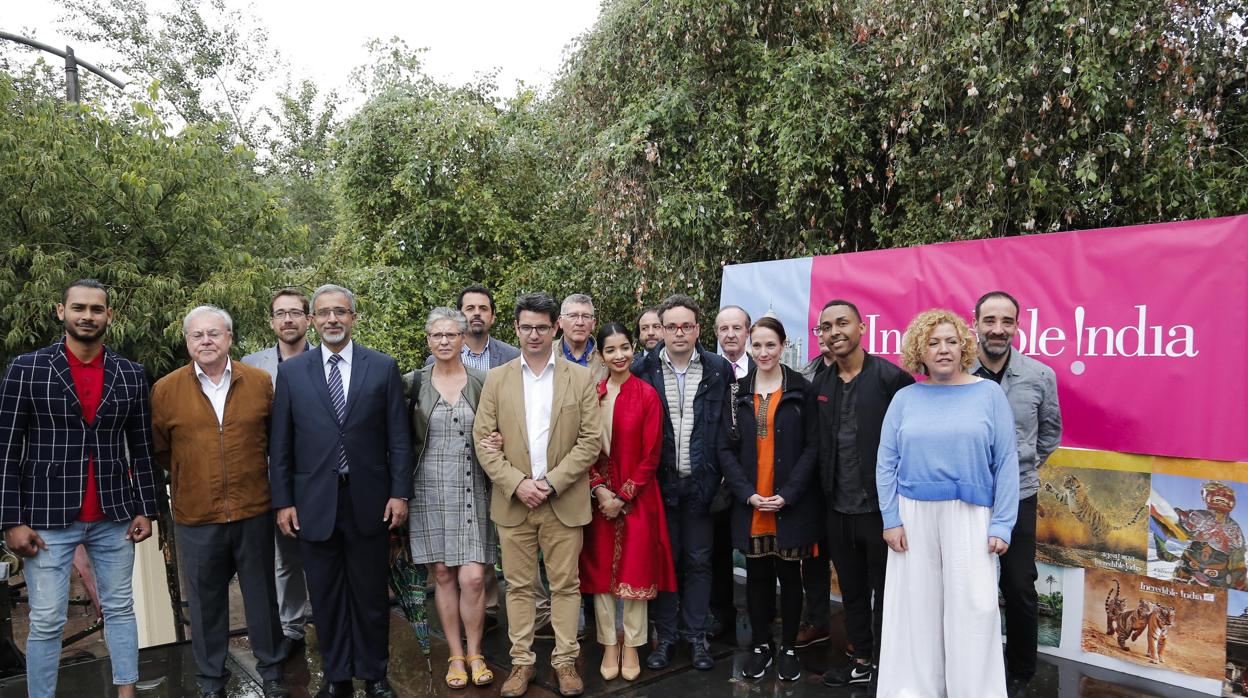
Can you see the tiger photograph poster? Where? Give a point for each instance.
(1167, 625)
(1092, 510)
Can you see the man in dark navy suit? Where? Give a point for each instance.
(340, 465)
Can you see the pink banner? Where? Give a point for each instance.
(1145, 326)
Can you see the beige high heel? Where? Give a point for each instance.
(610, 672)
(630, 673)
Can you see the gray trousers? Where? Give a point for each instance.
(293, 608)
(211, 555)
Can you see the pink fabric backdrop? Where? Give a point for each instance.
(1146, 326)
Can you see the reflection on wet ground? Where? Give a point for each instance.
(170, 671)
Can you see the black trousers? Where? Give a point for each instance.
(211, 554)
(1018, 587)
(347, 581)
(856, 544)
(761, 574)
(817, 580)
(722, 581)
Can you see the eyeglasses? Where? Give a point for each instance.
(580, 317)
(444, 336)
(210, 334)
(292, 314)
(323, 313)
(530, 329)
(683, 329)
(823, 329)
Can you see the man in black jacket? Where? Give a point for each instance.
(851, 397)
(693, 386)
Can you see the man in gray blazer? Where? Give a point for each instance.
(288, 316)
(481, 351)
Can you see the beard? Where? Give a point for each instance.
(996, 351)
(82, 335)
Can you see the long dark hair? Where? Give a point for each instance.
(610, 329)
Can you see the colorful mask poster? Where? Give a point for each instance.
(1196, 532)
(1169, 625)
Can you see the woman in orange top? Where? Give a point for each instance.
(767, 451)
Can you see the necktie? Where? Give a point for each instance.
(337, 397)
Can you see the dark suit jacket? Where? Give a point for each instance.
(877, 383)
(45, 442)
(708, 406)
(306, 436)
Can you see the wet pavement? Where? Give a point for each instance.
(169, 670)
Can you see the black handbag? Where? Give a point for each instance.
(722, 500)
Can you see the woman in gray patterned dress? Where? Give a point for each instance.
(449, 525)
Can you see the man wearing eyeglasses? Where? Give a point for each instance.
(340, 464)
(289, 317)
(210, 422)
(693, 384)
(577, 321)
(546, 410)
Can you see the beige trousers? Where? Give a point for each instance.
(634, 620)
(561, 548)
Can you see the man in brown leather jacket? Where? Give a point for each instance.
(210, 423)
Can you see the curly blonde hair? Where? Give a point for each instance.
(914, 341)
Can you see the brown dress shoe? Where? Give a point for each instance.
(570, 683)
(517, 682)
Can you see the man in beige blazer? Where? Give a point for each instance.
(546, 409)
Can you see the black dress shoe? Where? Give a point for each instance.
(661, 656)
(379, 689)
(702, 659)
(337, 689)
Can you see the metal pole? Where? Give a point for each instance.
(71, 76)
(57, 52)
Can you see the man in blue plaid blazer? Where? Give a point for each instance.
(74, 420)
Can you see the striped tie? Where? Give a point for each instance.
(340, 405)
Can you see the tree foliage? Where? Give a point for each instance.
(719, 132)
(168, 221)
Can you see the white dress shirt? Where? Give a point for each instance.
(539, 398)
(741, 366)
(344, 366)
(216, 392)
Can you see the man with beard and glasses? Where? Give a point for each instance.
(340, 469)
(1031, 388)
(76, 469)
(851, 397)
(288, 316)
(481, 351)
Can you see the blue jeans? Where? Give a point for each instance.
(47, 583)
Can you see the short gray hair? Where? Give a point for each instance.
(443, 313)
(576, 298)
(206, 309)
(333, 288)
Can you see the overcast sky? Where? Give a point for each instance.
(324, 40)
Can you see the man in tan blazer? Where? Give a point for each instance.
(546, 409)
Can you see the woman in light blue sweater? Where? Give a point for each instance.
(947, 477)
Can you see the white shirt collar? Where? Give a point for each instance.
(225, 377)
(346, 353)
(742, 362)
(524, 364)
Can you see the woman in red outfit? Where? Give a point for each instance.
(626, 554)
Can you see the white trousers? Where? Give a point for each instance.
(942, 628)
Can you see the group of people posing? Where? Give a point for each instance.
(607, 460)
